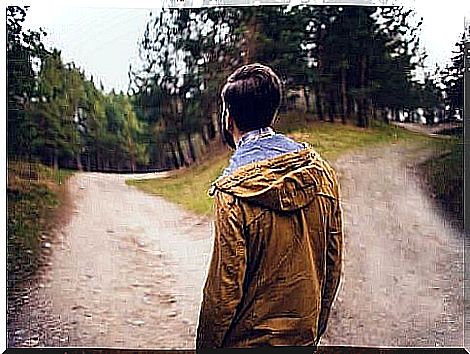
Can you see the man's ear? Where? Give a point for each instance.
(230, 123)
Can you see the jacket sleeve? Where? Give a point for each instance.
(334, 260)
(224, 284)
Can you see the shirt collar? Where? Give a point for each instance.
(256, 134)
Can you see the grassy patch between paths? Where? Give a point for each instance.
(33, 193)
(334, 139)
(189, 187)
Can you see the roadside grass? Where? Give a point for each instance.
(33, 195)
(334, 139)
(189, 187)
(444, 177)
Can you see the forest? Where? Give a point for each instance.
(348, 65)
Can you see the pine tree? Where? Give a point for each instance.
(24, 50)
(185, 55)
(453, 79)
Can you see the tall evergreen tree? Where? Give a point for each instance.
(453, 79)
(24, 49)
(55, 113)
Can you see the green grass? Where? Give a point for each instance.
(444, 175)
(33, 193)
(333, 139)
(189, 187)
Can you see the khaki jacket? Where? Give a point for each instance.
(277, 254)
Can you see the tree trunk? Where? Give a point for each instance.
(360, 115)
(253, 27)
(100, 163)
(319, 103)
(385, 115)
(362, 119)
(332, 106)
(88, 161)
(79, 162)
(367, 111)
(408, 118)
(204, 135)
(133, 163)
(320, 87)
(215, 124)
(307, 99)
(132, 153)
(181, 153)
(56, 159)
(211, 129)
(192, 151)
(176, 163)
(344, 98)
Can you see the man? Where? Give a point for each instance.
(277, 255)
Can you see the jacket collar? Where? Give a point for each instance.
(256, 134)
(287, 182)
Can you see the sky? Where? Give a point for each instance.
(102, 36)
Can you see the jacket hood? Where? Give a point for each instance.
(287, 182)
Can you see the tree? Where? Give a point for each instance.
(394, 85)
(453, 79)
(348, 62)
(56, 111)
(24, 50)
(135, 150)
(185, 55)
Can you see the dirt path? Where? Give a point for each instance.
(431, 130)
(128, 269)
(125, 272)
(403, 272)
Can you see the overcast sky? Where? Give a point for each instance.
(102, 38)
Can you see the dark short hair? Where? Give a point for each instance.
(252, 96)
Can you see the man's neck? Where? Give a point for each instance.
(248, 135)
(237, 135)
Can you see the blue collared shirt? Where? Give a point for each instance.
(260, 144)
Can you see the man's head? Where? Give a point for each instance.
(250, 99)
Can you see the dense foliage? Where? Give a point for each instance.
(452, 80)
(348, 64)
(57, 116)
